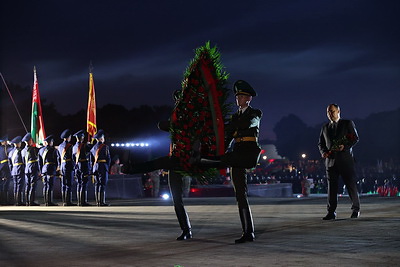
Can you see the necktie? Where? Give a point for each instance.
(240, 112)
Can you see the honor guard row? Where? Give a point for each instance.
(26, 165)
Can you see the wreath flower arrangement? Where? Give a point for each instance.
(201, 111)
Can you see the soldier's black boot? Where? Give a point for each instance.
(2, 201)
(32, 199)
(50, 199)
(78, 196)
(18, 200)
(45, 197)
(27, 199)
(97, 196)
(247, 226)
(103, 199)
(184, 223)
(83, 197)
(64, 197)
(68, 199)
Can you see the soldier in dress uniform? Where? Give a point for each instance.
(243, 128)
(31, 160)
(67, 168)
(101, 165)
(5, 174)
(48, 160)
(81, 156)
(17, 168)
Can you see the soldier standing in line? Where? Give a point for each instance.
(31, 160)
(101, 166)
(67, 168)
(5, 174)
(48, 160)
(17, 167)
(81, 156)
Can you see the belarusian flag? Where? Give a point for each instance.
(91, 110)
(37, 125)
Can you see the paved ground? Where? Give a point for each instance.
(142, 232)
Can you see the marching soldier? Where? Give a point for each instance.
(243, 128)
(81, 156)
(101, 166)
(48, 159)
(67, 167)
(5, 174)
(31, 160)
(17, 167)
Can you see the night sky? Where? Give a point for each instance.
(298, 55)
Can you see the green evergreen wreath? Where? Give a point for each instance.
(201, 111)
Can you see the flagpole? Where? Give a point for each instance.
(12, 99)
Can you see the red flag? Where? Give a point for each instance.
(91, 110)
(37, 124)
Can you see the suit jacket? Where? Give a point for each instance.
(345, 134)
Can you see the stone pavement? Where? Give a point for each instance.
(142, 232)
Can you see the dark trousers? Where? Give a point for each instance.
(346, 171)
(66, 180)
(82, 180)
(101, 179)
(30, 186)
(48, 182)
(176, 187)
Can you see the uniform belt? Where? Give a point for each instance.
(66, 160)
(49, 163)
(83, 160)
(246, 139)
(4, 160)
(17, 164)
(102, 160)
(33, 161)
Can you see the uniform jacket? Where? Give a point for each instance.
(245, 154)
(30, 156)
(48, 160)
(17, 165)
(4, 164)
(101, 157)
(245, 125)
(65, 152)
(81, 157)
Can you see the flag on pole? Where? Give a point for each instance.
(37, 125)
(91, 126)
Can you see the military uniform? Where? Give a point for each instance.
(81, 156)
(243, 129)
(67, 168)
(31, 160)
(101, 165)
(175, 178)
(5, 174)
(17, 167)
(48, 160)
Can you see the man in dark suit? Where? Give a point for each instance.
(335, 144)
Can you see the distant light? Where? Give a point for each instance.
(130, 145)
(303, 156)
(264, 157)
(299, 196)
(165, 196)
